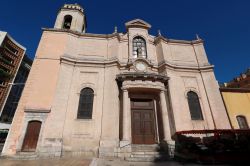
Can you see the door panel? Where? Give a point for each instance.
(143, 124)
(137, 135)
(31, 136)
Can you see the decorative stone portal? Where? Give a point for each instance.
(32, 131)
(145, 115)
(145, 121)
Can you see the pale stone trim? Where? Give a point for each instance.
(190, 67)
(193, 90)
(36, 109)
(87, 85)
(141, 24)
(161, 38)
(103, 61)
(156, 122)
(72, 7)
(32, 116)
(126, 136)
(118, 36)
(165, 116)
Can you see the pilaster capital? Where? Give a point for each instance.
(163, 90)
(124, 89)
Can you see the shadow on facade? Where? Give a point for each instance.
(165, 152)
(3, 136)
(220, 147)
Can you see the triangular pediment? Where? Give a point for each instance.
(138, 23)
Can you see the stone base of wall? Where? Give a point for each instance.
(122, 152)
(59, 152)
(155, 152)
(113, 152)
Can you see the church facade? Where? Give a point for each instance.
(98, 95)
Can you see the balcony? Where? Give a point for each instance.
(8, 66)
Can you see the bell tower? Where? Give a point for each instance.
(71, 17)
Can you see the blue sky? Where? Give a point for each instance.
(223, 24)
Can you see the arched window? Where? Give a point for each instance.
(242, 121)
(194, 106)
(85, 104)
(139, 47)
(67, 22)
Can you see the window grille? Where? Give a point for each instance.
(139, 47)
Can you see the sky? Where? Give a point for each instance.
(224, 25)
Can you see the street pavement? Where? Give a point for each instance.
(77, 161)
(116, 162)
(47, 162)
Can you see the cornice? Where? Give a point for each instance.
(159, 38)
(99, 61)
(82, 34)
(142, 76)
(236, 90)
(72, 7)
(108, 36)
(102, 61)
(137, 23)
(175, 66)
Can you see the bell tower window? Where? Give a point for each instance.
(67, 22)
(139, 48)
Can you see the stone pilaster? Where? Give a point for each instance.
(126, 125)
(165, 117)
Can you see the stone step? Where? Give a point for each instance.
(140, 159)
(25, 156)
(150, 148)
(145, 153)
(148, 158)
(148, 154)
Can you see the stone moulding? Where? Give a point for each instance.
(118, 35)
(90, 60)
(175, 66)
(240, 90)
(162, 38)
(137, 23)
(81, 34)
(87, 60)
(37, 110)
(142, 76)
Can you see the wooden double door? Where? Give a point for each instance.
(143, 121)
